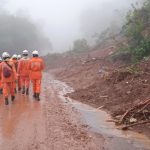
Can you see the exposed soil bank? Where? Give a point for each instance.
(97, 120)
(98, 84)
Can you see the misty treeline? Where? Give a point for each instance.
(80, 45)
(137, 31)
(19, 32)
(101, 26)
(133, 38)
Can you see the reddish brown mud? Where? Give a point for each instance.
(52, 124)
(46, 125)
(98, 120)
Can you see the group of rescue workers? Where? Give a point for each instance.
(17, 71)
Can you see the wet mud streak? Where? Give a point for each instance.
(96, 119)
(63, 128)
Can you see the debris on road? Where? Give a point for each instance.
(114, 85)
(137, 115)
(135, 124)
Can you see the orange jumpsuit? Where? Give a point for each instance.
(23, 72)
(8, 83)
(1, 85)
(15, 61)
(19, 78)
(36, 66)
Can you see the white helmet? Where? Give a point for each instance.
(19, 56)
(14, 56)
(5, 55)
(25, 52)
(35, 52)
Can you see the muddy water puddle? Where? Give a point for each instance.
(96, 119)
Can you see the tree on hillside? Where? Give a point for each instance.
(19, 33)
(137, 29)
(80, 45)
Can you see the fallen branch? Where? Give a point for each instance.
(100, 107)
(133, 108)
(135, 124)
(111, 120)
(144, 107)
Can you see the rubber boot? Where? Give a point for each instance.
(6, 101)
(34, 95)
(12, 98)
(27, 91)
(38, 97)
(23, 90)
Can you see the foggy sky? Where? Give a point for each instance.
(66, 20)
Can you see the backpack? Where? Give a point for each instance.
(7, 70)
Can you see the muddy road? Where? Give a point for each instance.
(58, 123)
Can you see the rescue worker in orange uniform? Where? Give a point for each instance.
(1, 85)
(15, 61)
(19, 79)
(23, 72)
(19, 57)
(36, 66)
(8, 76)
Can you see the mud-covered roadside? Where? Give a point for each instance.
(115, 92)
(64, 129)
(46, 125)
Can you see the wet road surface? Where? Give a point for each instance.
(54, 124)
(27, 124)
(22, 124)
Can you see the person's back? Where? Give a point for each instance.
(15, 61)
(8, 77)
(23, 72)
(36, 66)
(9, 66)
(23, 67)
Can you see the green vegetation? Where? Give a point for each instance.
(137, 31)
(80, 45)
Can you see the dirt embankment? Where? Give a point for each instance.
(114, 86)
